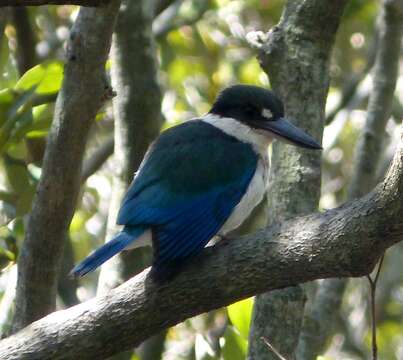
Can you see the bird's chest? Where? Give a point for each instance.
(252, 197)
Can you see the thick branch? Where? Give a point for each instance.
(93, 3)
(83, 92)
(342, 242)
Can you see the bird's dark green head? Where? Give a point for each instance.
(261, 110)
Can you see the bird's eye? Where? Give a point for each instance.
(266, 113)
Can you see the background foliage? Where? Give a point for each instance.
(203, 50)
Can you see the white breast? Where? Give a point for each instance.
(258, 185)
(253, 196)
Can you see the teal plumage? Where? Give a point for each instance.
(180, 196)
(200, 179)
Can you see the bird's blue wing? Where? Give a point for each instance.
(187, 187)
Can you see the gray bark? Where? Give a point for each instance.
(319, 321)
(83, 92)
(282, 305)
(67, 285)
(152, 348)
(343, 242)
(295, 55)
(317, 329)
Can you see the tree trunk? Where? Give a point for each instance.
(54, 204)
(296, 56)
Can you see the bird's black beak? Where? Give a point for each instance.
(285, 130)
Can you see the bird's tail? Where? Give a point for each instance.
(106, 251)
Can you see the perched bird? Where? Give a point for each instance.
(200, 179)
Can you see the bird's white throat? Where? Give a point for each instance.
(240, 131)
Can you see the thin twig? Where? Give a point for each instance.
(93, 163)
(167, 20)
(349, 90)
(273, 349)
(372, 284)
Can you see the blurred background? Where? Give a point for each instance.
(200, 47)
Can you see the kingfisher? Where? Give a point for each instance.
(200, 179)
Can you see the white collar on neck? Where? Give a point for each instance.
(240, 131)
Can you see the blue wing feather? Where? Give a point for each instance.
(106, 251)
(189, 183)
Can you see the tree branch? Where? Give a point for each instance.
(370, 143)
(94, 162)
(169, 20)
(350, 87)
(163, 23)
(93, 3)
(83, 91)
(342, 242)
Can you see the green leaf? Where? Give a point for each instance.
(39, 124)
(9, 254)
(240, 315)
(19, 180)
(7, 97)
(4, 253)
(18, 119)
(46, 78)
(23, 123)
(235, 345)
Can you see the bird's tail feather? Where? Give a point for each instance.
(106, 251)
